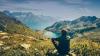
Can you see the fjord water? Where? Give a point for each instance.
(50, 34)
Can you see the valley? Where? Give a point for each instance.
(17, 39)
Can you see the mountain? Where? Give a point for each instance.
(16, 39)
(84, 23)
(12, 25)
(21, 44)
(31, 20)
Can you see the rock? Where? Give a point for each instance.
(72, 53)
(3, 33)
(8, 47)
(4, 37)
(1, 43)
(26, 46)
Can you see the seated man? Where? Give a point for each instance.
(62, 44)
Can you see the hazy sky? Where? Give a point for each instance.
(66, 9)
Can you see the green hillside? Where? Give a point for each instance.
(88, 45)
(16, 39)
(19, 45)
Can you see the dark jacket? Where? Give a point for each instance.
(62, 44)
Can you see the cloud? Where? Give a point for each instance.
(73, 2)
(29, 4)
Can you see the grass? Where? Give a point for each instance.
(39, 45)
(87, 45)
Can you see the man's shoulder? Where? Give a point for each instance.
(56, 39)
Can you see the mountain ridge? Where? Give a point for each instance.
(82, 23)
(32, 20)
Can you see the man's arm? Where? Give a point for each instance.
(55, 42)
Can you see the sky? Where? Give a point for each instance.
(64, 9)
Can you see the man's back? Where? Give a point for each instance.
(62, 44)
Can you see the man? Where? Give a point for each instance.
(62, 44)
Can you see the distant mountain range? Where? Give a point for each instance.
(31, 20)
(12, 25)
(80, 25)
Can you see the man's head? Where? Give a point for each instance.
(63, 32)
